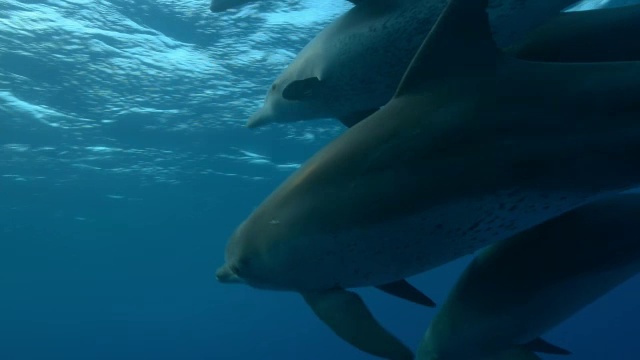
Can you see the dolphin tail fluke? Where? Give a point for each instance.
(349, 318)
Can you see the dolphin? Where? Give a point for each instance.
(518, 289)
(474, 147)
(224, 5)
(585, 36)
(353, 66)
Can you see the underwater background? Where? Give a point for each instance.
(125, 165)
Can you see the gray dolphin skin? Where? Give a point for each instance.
(354, 65)
(516, 290)
(585, 36)
(476, 146)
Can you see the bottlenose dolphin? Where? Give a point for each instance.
(352, 67)
(585, 36)
(475, 146)
(518, 289)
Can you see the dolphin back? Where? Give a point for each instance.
(585, 36)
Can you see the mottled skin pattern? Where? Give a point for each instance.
(372, 44)
(470, 129)
(518, 289)
(361, 56)
(390, 250)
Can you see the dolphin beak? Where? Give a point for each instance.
(226, 276)
(258, 119)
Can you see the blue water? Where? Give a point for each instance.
(125, 165)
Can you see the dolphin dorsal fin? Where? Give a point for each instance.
(542, 346)
(459, 44)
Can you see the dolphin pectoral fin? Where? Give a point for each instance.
(404, 290)
(542, 346)
(351, 119)
(516, 353)
(349, 318)
(301, 90)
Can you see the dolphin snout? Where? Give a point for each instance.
(258, 119)
(226, 276)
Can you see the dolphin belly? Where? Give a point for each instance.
(403, 247)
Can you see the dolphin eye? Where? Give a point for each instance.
(273, 87)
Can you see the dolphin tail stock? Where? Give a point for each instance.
(349, 318)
